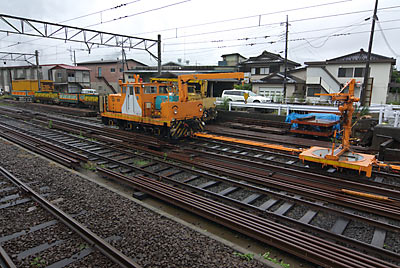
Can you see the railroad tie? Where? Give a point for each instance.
(379, 236)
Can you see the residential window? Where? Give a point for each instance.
(99, 71)
(253, 70)
(345, 72)
(100, 89)
(123, 89)
(121, 70)
(359, 72)
(59, 75)
(71, 75)
(131, 90)
(311, 91)
(137, 90)
(112, 70)
(274, 68)
(264, 70)
(130, 76)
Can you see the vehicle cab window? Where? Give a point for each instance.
(150, 90)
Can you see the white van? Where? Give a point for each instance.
(89, 91)
(238, 95)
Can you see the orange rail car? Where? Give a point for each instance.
(153, 107)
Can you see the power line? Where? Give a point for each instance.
(139, 13)
(281, 40)
(268, 36)
(278, 23)
(386, 41)
(104, 10)
(146, 11)
(247, 17)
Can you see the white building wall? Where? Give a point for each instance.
(300, 74)
(316, 74)
(277, 89)
(379, 71)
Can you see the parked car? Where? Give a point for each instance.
(89, 91)
(238, 95)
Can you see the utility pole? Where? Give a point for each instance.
(366, 72)
(38, 68)
(74, 59)
(159, 54)
(122, 63)
(286, 51)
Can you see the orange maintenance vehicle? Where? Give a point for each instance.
(342, 156)
(159, 108)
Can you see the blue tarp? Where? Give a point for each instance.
(332, 117)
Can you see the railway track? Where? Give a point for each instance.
(294, 210)
(256, 157)
(32, 220)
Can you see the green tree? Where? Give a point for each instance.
(243, 87)
(395, 79)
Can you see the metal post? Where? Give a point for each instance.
(159, 54)
(396, 119)
(366, 72)
(381, 115)
(279, 110)
(286, 51)
(74, 59)
(38, 69)
(287, 110)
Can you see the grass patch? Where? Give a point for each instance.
(90, 166)
(244, 256)
(37, 262)
(140, 162)
(274, 260)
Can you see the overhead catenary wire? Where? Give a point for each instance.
(281, 40)
(246, 17)
(123, 17)
(268, 36)
(101, 11)
(139, 13)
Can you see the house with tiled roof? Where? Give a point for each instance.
(262, 67)
(69, 79)
(330, 75)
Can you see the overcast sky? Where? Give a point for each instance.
(176, 20)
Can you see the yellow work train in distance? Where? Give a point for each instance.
(153, 107)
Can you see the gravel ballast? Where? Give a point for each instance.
(151, 239)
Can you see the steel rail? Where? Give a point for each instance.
(355, 243)
(195, 148)
(303, 245)
(274, 180)
(303, 173)
(5, 260)
(94, 240)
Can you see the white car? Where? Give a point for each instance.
(238, 95)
